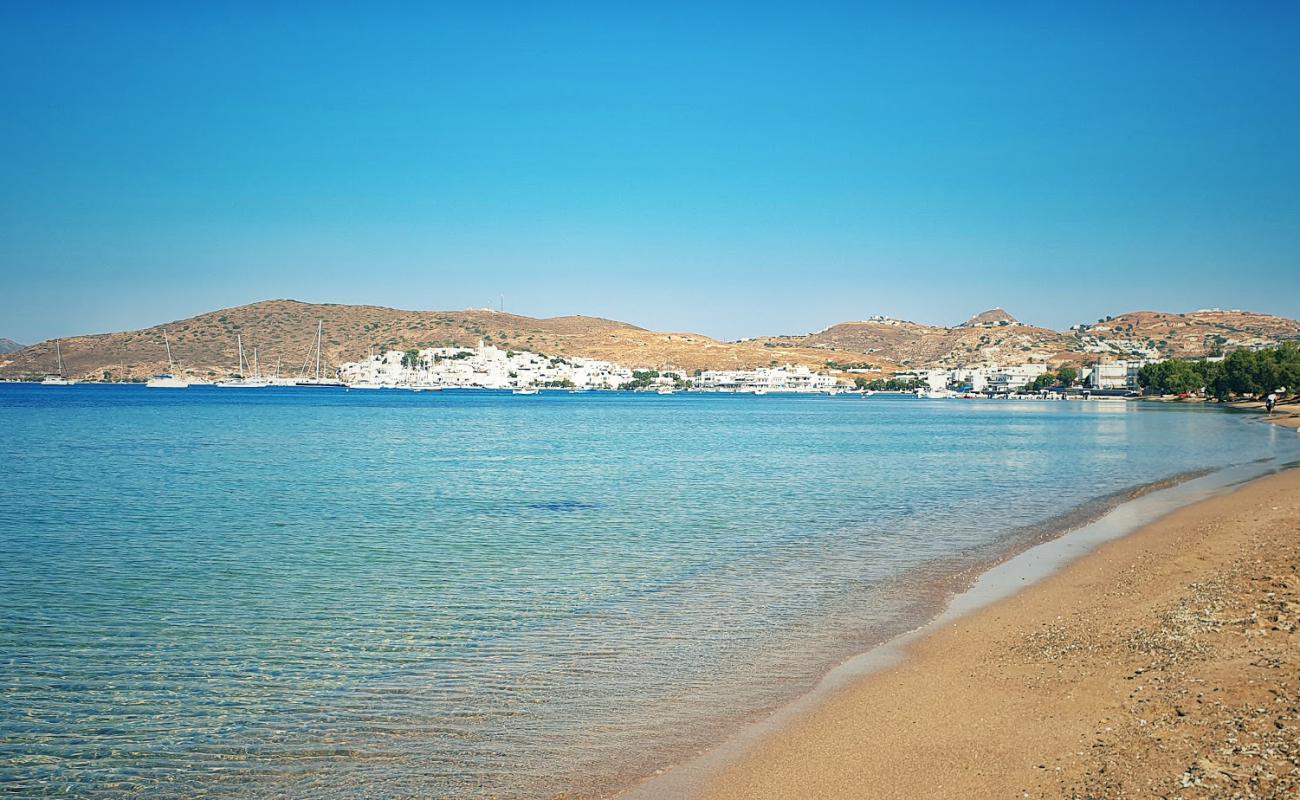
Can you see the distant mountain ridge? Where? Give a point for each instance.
(282, 332)
(9, 346)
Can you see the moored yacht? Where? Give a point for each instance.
(243, 381)
(60, 379)
(525, 390)
(318, 381)
(168, 379)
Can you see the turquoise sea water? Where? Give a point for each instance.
(304, 592)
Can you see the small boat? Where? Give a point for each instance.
(365, 385)
(318, 382)
(526, 390)
(243, 382)
(323, 383)
(168, 379)
(426, 388)
(60, 379)
(760, 391)
(665, 390)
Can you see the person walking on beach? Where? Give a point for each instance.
(1270, 401)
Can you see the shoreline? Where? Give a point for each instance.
(748, 763)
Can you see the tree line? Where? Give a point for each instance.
(1242, 372)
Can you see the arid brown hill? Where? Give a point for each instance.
(1191, 335)
(995, 337)
(283, 332)
(991, 337)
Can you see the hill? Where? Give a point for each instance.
(987, 338)
(993, 318)
(997, 337)
(9, 346)
(283, 331)
(1191, 335)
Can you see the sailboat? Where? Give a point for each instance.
(318, 381)
(243, 382)
(168, 379)
(57, 380)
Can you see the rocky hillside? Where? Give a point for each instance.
(283, 332)
(995, 336)
(991, 337)
(1195, 334)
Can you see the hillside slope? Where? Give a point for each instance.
(994, 337)
(991, 337)
(284, 331)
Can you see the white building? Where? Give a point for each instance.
(1116, 374)
(483, 367)
(773, 379)
(1009, 379)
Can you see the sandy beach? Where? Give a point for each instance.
(1165, 664)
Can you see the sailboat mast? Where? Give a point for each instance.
(320, 328)
(171, 368)
(239, 338)
(59, 351)
(257, 365)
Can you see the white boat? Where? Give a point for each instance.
(243, 382)
(665, 390)
(426, 388)
(760, 391)
(60, 379)
(318, 381)
(367, 385)
(526, 390)
(168, 379)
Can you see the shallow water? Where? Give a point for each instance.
(313, 592)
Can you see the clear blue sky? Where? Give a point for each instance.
(733, 169)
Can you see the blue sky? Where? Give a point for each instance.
(732, 169)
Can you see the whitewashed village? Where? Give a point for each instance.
(489, 367)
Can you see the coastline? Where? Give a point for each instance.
(965, 706)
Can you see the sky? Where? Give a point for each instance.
(730, 169)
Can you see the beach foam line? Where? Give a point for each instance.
(999, 582)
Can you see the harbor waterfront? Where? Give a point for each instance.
(290, 591)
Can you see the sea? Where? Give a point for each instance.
(308, 592)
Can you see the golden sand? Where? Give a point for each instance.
(1165, 664)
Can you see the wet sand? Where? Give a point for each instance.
(1164, 664)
